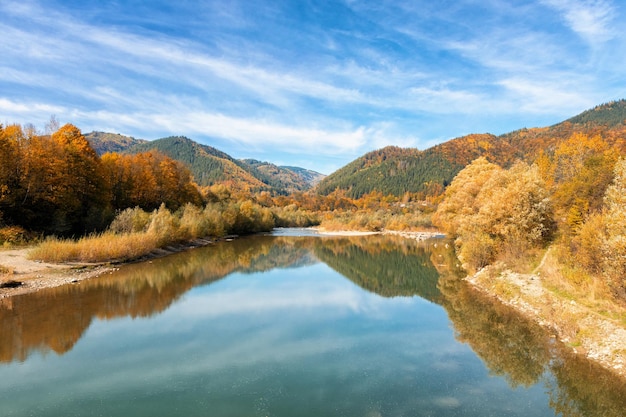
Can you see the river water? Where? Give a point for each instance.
(289, 325)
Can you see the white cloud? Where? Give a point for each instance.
(446, 100)
(253, 133)
(589, 18)
(262, 133)
(387, 134)
(544, 96)
(13, 109)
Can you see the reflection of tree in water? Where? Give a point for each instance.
(389, 266)
(525, 354)
(56, 318)
(583, 388)
(509, 345)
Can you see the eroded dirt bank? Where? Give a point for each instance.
(596, 336)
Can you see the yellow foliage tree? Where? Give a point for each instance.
(578, 173)
(614, 246)
(459, 202)
(490, 211)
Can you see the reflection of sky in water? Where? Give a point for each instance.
(287, 342)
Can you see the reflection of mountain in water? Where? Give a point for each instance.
(387, 266)
(509, 345)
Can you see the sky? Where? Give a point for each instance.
(309, 83)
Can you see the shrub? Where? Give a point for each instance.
(131, 220)
(164, 226)
(14, 235)
(102, 247)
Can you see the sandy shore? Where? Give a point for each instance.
(408, 235)
(324, 232)
(26, 276)
(30, 276)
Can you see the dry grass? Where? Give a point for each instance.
(5, 270)
(575, 285)
(103, 247)
(364, 220)
(135, 233)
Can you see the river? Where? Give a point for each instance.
(289, 325)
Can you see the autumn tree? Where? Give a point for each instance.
(614, 216)
(459, 201)
(515, 208)
(81, 194)
(578, 173)
(147, 180)
(491, 211)
(9, 167)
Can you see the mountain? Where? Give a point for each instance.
(394, 170)
(310, 177)
(208, 165)
(290, 179)
(104, 142)
(211, 166)
(610, 114)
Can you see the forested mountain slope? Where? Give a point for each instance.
(211, 166)
(396, 171)
(103, 142)
(207, 164)
(288, 179)
(309, 176)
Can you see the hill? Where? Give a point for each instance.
(396, 171)
(211, 166)
(310, 177)
(103, 142)
(208, 165)
(289, 179)
(610, 114)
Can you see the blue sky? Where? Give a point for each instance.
(308, 83)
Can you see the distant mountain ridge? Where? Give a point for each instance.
(390, 170)
(396, 171)
(609, 114)
(104, 142)
(211, 166)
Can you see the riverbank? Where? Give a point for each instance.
(592, 332)
(421, 235)
(23, 275)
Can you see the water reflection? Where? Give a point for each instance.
(510, 347)
(525, 354)
(54, 319)
(389, 266)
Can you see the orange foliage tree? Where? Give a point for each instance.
(147, 180)
(57, 184)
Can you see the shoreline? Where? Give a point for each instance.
(422, 235)
(33, 276)
(585, 331)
